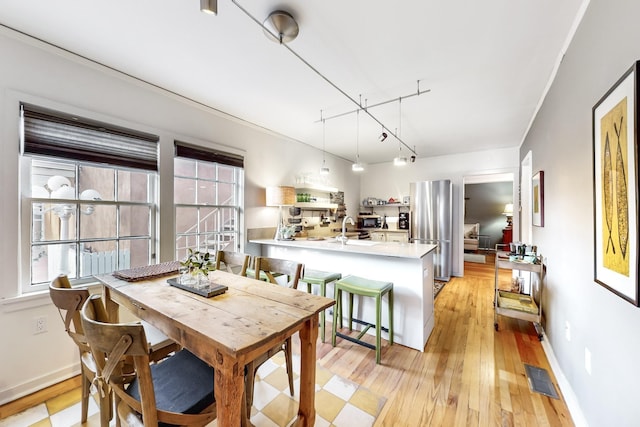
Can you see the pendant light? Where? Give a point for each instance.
(400, 160)
(324, 170)
(357, 166)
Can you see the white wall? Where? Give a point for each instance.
(386, 180)
(604, 47)
(43, 75)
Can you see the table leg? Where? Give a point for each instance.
(308, 338)
(229, 389)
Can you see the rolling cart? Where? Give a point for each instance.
(525, 306)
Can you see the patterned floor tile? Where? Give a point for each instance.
(339, 402)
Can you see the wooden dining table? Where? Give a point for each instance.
(228, 331)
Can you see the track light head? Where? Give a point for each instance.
(413, 159)
(209, 6)
(383, 136)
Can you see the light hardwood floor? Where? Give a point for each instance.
(469, 374)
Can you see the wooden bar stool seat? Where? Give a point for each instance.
(355, 285)
(321, 278)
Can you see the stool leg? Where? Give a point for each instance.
(378, 325)
(336, 308)
(323, 292)
(391, 317)
(350, 312)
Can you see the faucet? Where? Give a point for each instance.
(343, 237)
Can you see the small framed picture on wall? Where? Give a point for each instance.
(537, 207)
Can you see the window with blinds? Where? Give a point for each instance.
(208, 187)
(89, 203)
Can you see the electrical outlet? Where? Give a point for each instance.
(40, 325)
(567, 330)
(587, 360)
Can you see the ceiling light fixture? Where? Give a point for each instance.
(357, 166)
(280, 27)
(324, 170)
(209, 6)
(400, 160)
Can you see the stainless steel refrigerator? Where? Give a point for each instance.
(432, 221)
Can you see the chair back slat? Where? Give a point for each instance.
(69, 301)
(293, 270)
(232, 261)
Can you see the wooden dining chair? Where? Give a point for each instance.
(178, 391)
(270, 268)
(234, 262)
(69, 302)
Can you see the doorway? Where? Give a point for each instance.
(485, 202)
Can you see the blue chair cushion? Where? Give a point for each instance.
(183, 383)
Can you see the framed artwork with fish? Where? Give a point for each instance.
(615, 190)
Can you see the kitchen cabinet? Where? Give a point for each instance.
(389, 236)
(398, 237)
(378, 236)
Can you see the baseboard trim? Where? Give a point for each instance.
(39, 383)
(567, 391)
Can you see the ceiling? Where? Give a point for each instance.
(483, 65)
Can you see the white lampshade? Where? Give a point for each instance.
(281, 196)
(508, 209)
(64, 192)
(400, 161)
(55, 182)
(90, 194)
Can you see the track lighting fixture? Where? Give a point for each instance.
(383, 136)
(357, 166)
(280, 27)
(209, 6)
(324, 170)
(400, 160)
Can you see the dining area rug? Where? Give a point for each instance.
(339, 402)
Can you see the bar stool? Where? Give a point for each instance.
(317, 277)
(355, 285)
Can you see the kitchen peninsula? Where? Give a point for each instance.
(408, 265)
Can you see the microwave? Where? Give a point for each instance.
(369, 221)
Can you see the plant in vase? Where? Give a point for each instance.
(288, 231)
(197, 265)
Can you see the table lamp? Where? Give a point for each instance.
(508, 212)
(280, 196)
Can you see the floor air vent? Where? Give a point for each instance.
(540, 381)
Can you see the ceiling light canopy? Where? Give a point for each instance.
(209, 6)
(280, 26)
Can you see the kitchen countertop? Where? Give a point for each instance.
(370, 247)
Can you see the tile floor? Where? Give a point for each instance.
(339, 402)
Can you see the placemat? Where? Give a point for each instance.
(148, 271)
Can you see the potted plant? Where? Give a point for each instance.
(196, 267)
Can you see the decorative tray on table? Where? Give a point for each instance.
(208, 291)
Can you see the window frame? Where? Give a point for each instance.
(26, 216)
(238, 206)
